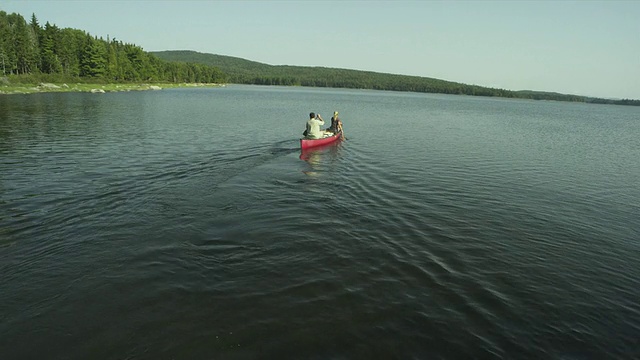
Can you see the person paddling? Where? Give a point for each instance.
(336, 125)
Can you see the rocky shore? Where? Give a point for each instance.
(6, 88)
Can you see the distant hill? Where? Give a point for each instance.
(32, 53)
(242, 71)
(232, 66)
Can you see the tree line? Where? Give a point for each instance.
(242, 71)
(48, 52)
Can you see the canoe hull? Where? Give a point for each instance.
(310, 143)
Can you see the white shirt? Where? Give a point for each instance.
(313, 128)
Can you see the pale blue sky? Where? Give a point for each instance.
(577, 47)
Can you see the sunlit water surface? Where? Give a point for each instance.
(187, 224)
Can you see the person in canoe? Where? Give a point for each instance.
(336, 124)
(313, 127)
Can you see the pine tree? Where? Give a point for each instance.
(35, 43)
(6, 47)
(50, 63)
(93, 61)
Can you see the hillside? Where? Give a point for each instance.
(242, 71)
(33, 53)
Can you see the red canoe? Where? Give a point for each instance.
(309, 143)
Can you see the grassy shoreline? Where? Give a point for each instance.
(9, 89)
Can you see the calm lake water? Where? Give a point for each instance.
(186, 224)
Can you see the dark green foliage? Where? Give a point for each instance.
(38, 53)
(52, 54)
(49, 61)
(242, 71)
(93, 61)
(614, 102)
(23, 48)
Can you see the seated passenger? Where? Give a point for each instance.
(313, 127)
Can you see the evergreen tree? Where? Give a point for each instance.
(32, 49)
(6, 46)
(50, 63)
(35, 40)
(21, 36)
(68, 50)
(93, 61)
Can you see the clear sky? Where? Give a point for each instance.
(576, 47)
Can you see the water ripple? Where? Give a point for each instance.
(485, 229)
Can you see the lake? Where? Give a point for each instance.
(187, 224)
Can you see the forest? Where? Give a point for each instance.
(243, 71)
(33, 53)
(30, 52)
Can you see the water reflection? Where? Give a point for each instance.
(319, 155)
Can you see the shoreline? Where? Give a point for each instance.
(22, 89)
